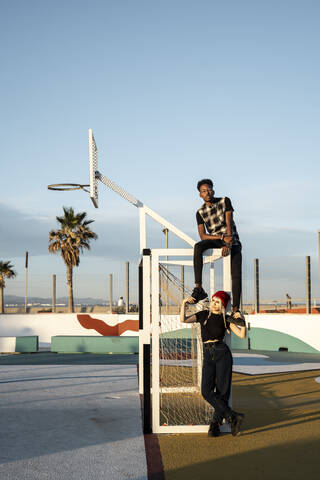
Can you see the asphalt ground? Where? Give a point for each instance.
(70, 416)
(70, 422)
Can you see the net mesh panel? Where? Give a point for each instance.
(181, 402)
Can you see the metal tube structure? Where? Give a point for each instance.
(211, 279)
(256, 286)
(110, 292)
(157, 386)
(143, 211)
(144, 312)
(182, 282)
(127, 287)
(166, 232)
(308, 285)
(26, 284)
(54, 293)
(319, 255)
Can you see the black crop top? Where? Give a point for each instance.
(214, 328)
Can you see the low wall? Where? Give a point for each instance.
(296, 332)
(83, 344)
(47, 325)
(19, 344)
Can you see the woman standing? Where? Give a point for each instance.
(217, 358)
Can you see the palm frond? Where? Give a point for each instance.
(72, 237)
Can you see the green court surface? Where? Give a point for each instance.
(280, 438)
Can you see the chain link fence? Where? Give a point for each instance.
(282, 287)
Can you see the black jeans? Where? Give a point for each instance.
(216, 378)
(236, 266)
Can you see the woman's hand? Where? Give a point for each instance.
(183, 318)
(189, 300)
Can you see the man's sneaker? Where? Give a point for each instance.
(214, 429)
(235, 421)
(198, 294)
(238, 318)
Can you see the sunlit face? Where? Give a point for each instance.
(206, 192)
(215, 305)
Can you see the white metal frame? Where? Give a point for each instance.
(152, 273)
(145, 334)
(144, 210)
(156, 257)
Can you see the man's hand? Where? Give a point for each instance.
(225, 251)
(228, 240)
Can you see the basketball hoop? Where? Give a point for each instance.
(68, 186)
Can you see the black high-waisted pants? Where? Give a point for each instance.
(216, 378)
(236, 266)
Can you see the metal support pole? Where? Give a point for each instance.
(319, 254)
(127, 287)
(144, 337)
(26, 285)
(54, 293)
(211, 279)
(110, 292)
(166, 232)
(182, 282)
(146, 390)
(308, 285)
(256, 286)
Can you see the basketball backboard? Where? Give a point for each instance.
(93, 162)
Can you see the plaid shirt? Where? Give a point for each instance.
(214, 218)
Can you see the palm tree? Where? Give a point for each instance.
(6, 271)
(72, 237)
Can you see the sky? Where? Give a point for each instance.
(174, 91)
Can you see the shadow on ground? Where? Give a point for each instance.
(50, 358)
(291, 461)
(279, 438)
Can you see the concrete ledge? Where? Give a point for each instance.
(94, 344)
(26, 344)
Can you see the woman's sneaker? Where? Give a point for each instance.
(198, 294)
(235, 421)
(214, 429)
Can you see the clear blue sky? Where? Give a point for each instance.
(174, 91)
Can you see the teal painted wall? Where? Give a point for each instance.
(265, 339)
(83, 344)
(258, 338)
(239, 343)
(27, 344)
